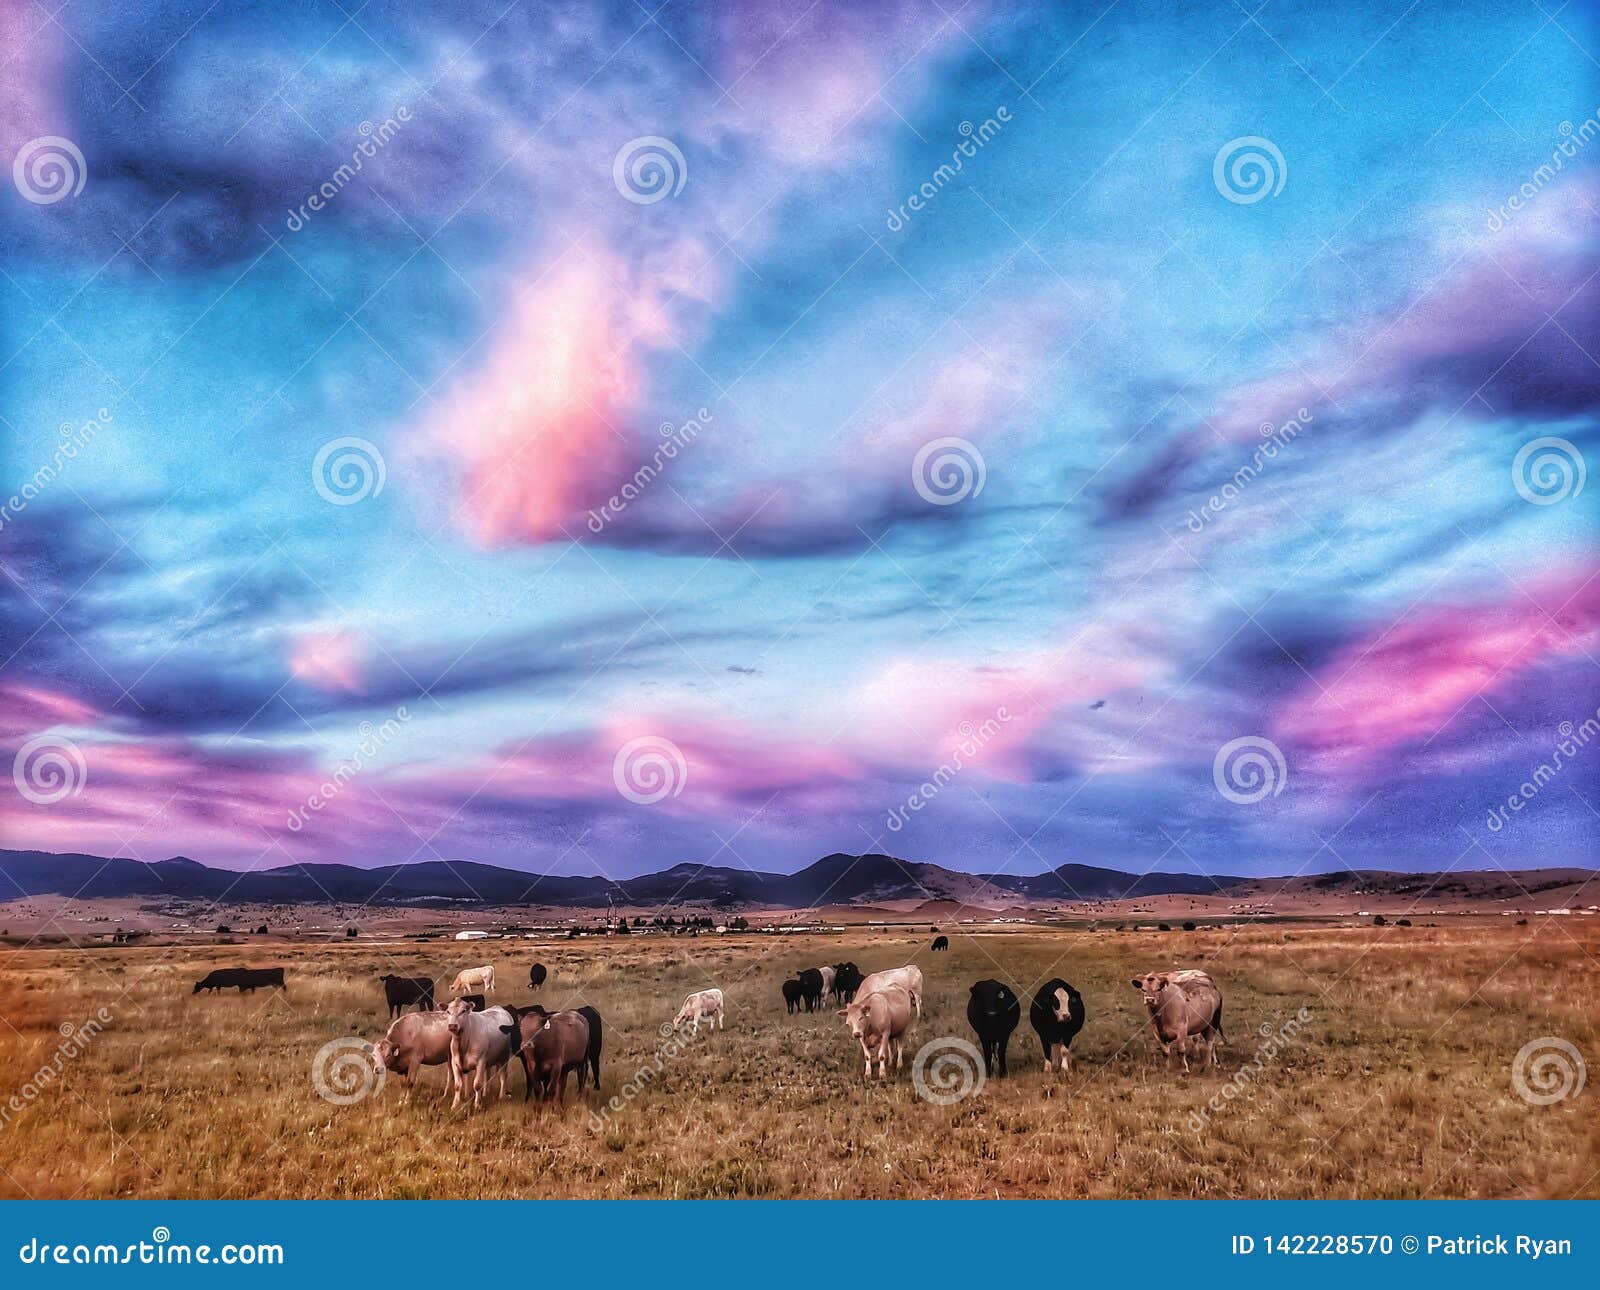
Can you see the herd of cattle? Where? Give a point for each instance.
(475, 1040)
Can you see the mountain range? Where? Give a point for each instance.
(837, 879)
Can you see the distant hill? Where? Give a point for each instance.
(838, 879)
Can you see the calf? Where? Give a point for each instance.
(880, 1020)
(402, 991)
(941, 942)
(1057, 1015)
(792, 992)
(1183, 1005)
(416, 1040)
(479, 1046)
(908, 978)
(245, 978)
(702, 1003)
(993, 1013)
(478, 978)
(810, 987)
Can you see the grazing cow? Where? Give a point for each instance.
(475, 1001)
(993, 1012)
(702, 1003)
(810, 987)
(593, 1018)
(1183, 1005)
(245, 978)
(846, 981)
(879, 1019)
(478, 978)
(416, 1040)
(792, 991)
(828, 974)
(402, 991)
(551, 1045)
(536, 976)
(909, 978)
(941, 942)
(1057, 1015)
(479, 1046)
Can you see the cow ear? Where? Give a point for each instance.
(1135, 983)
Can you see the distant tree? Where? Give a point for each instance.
(223, 928)
(622, 927)
(740, 924)
(350, 933)
(262, 930)
(1163, 927)
(1402, 922)
(638, 920)
(573, 933)
(1188, 927)
(1380, 921)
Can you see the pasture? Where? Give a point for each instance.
(1396, 1083)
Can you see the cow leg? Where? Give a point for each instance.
(1003, 1044)
(721, 1020)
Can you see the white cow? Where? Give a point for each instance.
(479, 1046)
(909, 978)
(702, 1003)
(478, 980)
(828, 975)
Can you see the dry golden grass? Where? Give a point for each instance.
(1399, 1085)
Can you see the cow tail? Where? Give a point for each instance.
(1218, 1023)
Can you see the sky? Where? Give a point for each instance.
(589, 438)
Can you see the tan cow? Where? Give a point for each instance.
(478, 980)
(908, 978)
(702, 1003)
(1183, 1005)
(415, 1040)
(880, 1021)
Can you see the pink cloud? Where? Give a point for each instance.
(329, 660)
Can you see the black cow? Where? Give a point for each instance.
(847, 980)
(993, 1012)
(401, 991)
(1056, 1023)
(810, 987)
(244, 978)
(593, 1056)
(478, 1002)
(792, 991)
(941, 942)
(536, 976)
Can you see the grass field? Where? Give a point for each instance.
(1399, 1083)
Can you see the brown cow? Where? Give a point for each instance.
(1184, 1004)
(551, 1045)
(879, 1020)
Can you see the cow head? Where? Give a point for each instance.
(1062, 1004)
(385, 1052)
(993, 1000)
(1151, 984)
(855, 1017)
(458, 1009)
